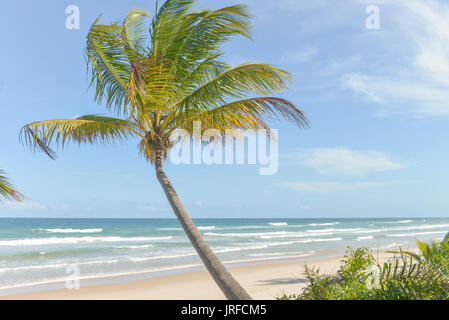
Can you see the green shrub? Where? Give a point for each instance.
(437, 253)
(408, 276)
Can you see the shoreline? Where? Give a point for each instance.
(263, 281)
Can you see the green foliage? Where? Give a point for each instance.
(7, 191)
(436, 253)
(406, 277)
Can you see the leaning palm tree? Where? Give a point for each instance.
(161, 78)
(7, 191)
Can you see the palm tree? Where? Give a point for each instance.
(7, 191)
(162, 78)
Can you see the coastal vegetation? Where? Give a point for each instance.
(165, 73)
(409, 276)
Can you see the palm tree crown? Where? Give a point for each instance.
(163, 79)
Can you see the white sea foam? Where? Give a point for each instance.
(298, 235)
(423, 227)
(206, 228)
(393, 245)
(364, 238)
(320, 230)
(405, 228)
(280, 254)
(124, 259)
(173, 256)
(401, 221)
(324, 224)
(243, 235)
(57, 265)
(70, 230)
(347, 230)
(278, 224)
(99, 276)
(247, 248)
(370, 231)
(313, 240)
(136, 247)
(417, 234)
(271, 258)
(327, 240)
(74, 240)
(270, 235)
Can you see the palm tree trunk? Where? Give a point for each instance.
(230, 287)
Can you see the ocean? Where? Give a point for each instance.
(38, 252)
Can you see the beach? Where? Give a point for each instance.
(263, 282)
(266, 255)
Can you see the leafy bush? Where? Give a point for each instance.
(408, 276)
(437, 253)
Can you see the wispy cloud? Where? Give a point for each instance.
(145, 206)
(24, 205)
(290, 6)
(327, 187)
(300, 56)
(344, 161)
(198, 204)
(417, 82)
(33, 205)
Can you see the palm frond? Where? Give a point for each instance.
(252, 78)
(247, 114)
(107, 59)
(166, 23)
(151, 85)
(7, 191)
(135, 34)
(87, 129)
(202, 34)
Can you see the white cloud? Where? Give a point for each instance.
(300, 56)
(424, 98)
(344, 161)
(33, 205)
(419, 84)
(327, 187)
(25, 205)
(198, 204)
(290, 6)
(145, 206)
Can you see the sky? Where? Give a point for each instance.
(377, 100)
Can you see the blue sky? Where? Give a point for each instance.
(378, 102)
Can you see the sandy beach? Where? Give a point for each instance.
(263, 282)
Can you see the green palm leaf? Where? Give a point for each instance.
(251, 78)
(7, 191)
(107, 56)
(246, 114)
(86, 129)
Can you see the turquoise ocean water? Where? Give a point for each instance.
(39, 251)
